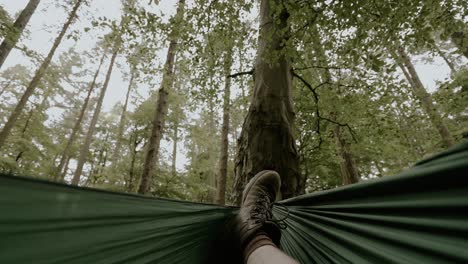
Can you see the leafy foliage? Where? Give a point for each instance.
(346, 79)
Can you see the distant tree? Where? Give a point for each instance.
(65, 155)
(122, 120)
(15, 33)
(152, 154)
(37, 77)
(424, 97)
(116, 45)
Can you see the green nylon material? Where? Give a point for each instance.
(418, 216)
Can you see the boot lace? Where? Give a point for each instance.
(262, 212)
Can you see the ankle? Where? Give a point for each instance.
(259, 240)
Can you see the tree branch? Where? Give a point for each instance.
(251, 72)
(316, 99)
(319, 67)
(317, 110)
(351, 131)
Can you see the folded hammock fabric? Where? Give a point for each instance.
(418, 216)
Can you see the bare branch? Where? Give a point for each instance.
(308, 85)
(316, 99)
(317, 110)
(351, 131)
(319, 67)
(251, 72)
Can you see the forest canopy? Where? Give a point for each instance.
(189, 99)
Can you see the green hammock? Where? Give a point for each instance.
(418, 216)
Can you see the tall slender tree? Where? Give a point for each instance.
(77, 125)
(152, 153)
(177, 113)
(349, 172)
(424, 97)
(20, 24)
(92, 126)
(37, 77)
(267, 140)
(175, 139)
(223, 157)
(122, 121)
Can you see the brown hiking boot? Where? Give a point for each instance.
(255, 216)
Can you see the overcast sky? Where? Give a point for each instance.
(49, 18)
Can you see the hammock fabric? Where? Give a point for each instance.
(418, 216)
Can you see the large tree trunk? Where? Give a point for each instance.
(425, 99)
(223, 157)
(37, 77)
(89, 136)
(121, 128)
(267, 141)
(152, 154)
(77, 125)
(12, 38)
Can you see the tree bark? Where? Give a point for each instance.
(20, 24)
(77, 125)
(425, 99)
(37, 77)
(89, 136)
(118, 143)
(223, 157)
(267, 141)
(152, 154)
